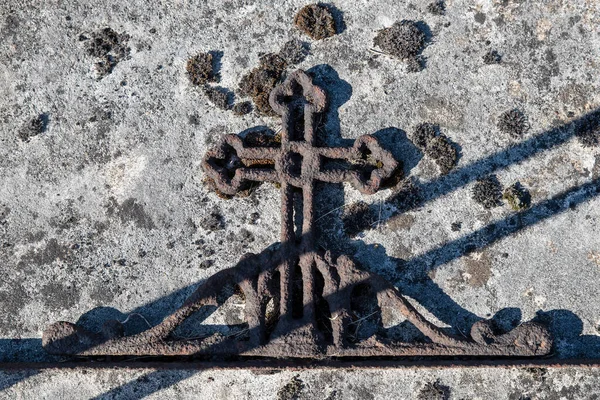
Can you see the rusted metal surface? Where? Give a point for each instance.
(309, 292)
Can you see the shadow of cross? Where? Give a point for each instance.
(298, 300)
(297, 164)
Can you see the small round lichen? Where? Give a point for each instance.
(404, 40)
(513, 122)
(488, 192)
(443, 152)
(437, 7)
(423, 134)
(242, 108)
(435, 145)
(200, 69)
(316, 20)
(588, 130)
(218, 96)
(517, 197)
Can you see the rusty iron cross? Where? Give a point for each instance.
(325, 325)
(297, 164)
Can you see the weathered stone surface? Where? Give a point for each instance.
(104, 206)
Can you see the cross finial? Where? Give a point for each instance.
(298, 162)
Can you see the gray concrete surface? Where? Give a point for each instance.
(101, 212)
(483, 383)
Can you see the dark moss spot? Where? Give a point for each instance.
(517, 197)
(415, 64)
(456, 226)
(443, 152)
(31, 237)
(105, 65)
(538, 374)
(404, 40)
(108, 41)
(219, 96)
(316, 20)
(364, 308)
(200, 69)
(262, 137)
(243, 193)
(513, 122)
(242, 108)
(246, 236)
(488, 192)
(51, 252)
(109, 47)
(193, 119)
(33, 127)
(436, 145)
(213, 221)
(259, 83)
(423, 134)
(588, 130)
(291, 390)
(434, 391)
(373, 63)
(480, 18)
(207, 264)
(253, 218)
(492, 57)
(437, 7)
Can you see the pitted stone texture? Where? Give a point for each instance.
(140, 133)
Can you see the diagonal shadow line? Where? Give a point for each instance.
(146, 385)
(513, 155)
(11, 378)
(495, 231)
(432, 259)
(482, 238)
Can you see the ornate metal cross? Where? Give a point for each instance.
(298, 300)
